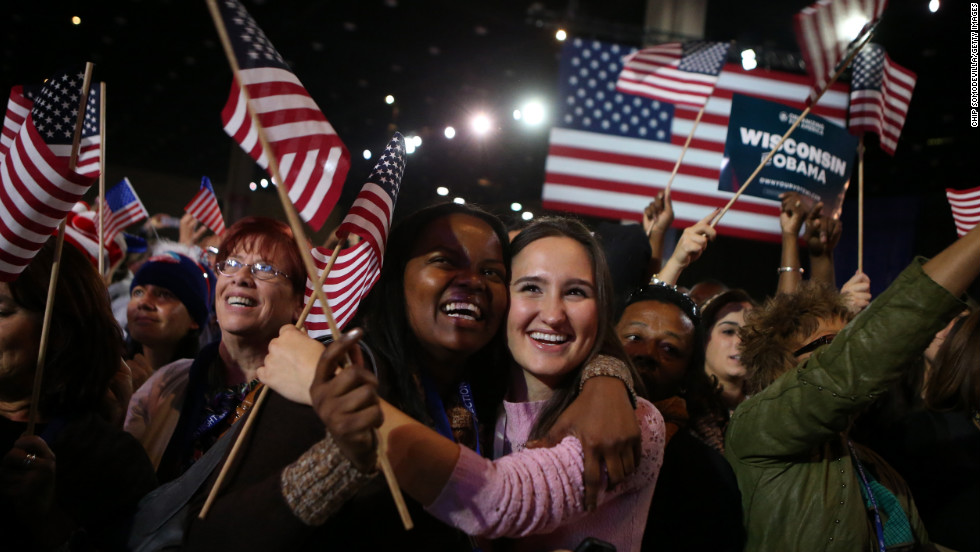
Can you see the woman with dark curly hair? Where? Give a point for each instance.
(73, 484)
(805, 485)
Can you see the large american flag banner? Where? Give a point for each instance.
(965, 205)
(679, 73)
(357, 268)
(58, 128)
(313, 162)
(122, 208)
(38, 187)
(204, 207)
(610, 153)
(880, 94)
(825, 29)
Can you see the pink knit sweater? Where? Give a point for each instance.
(537, 494)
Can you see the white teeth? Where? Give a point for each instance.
(549, 337)
(467, 311)
(241, 301)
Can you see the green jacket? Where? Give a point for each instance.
(800, 488)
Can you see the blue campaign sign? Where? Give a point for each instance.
(814, 161)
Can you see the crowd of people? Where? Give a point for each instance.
(548, 387)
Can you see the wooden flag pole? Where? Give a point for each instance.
(799, 120)
(861, 203)
(322, 277)
(310, 266)
(56, 264)
(687, 144)
(102, 204)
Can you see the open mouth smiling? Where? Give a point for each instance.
(463, 310)
(549, 338)
(238, 301)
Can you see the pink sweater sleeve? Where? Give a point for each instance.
(537, 490)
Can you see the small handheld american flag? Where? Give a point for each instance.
(37, 187)
(123, 207)
(357, 268)
(678, 73)
(204, 207)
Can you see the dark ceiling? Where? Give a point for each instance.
(443, 60)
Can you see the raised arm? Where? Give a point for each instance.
(822, 234)
(689, 248)
(657, 218)
(790, 221)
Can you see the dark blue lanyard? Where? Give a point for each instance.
(438, 411)
(879, 528)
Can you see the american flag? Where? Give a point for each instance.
(823, 34)
(965, 205)
(59, 128)
(123, 207)
(204, 207)
(677, 73)
(312, 160)
(18, 107)
(610, 153)
(357, 268)
(81, 231)
(880, 94)
(38, 187)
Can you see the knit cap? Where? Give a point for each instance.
(190, 281)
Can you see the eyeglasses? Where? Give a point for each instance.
(261, 271)
(815, 344)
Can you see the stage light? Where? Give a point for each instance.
(518, 114)
(252, 186)
(366, 154)
(442, 190)
(516, 206)
(264, 183)
(527, 215)
(533, 113)
(933, 6)
(749, 61)
(389, 99)
(450, 132)
(851, 27)
(417, 140)
(561, 35)
(459, 200)
(409, 145)
(481, 124)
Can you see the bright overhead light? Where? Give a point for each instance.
(75, 20)
(851, 27)
(561, 35)
(933, 6)
(252, 186)
(516, 206)
(417, 140)
(409, 145)
(459, 200)
(527, 215)
(518, 114)
(450, 132)
(442, 190)
(533, 112)
(481, 124)
(389, 99)
(264, 183)
(367, 154)
(749, 63)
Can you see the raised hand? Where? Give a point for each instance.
(658, 214)
(856, 292)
